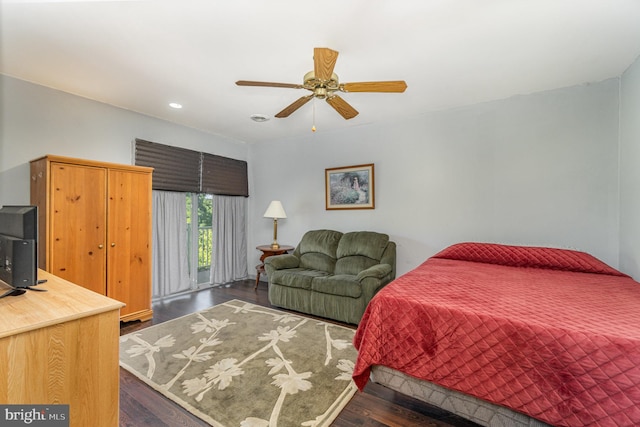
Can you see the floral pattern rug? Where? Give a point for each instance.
(241, 364)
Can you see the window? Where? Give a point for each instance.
(199, 237)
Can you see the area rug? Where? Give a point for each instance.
(238, 364)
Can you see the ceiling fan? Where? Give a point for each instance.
(323, 83)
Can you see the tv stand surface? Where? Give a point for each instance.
(61, 347)
(13, 292)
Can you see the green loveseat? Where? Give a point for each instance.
(331, 274)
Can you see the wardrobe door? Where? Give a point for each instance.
(129, 242)
(77, 249)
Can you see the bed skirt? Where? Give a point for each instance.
(463, 405)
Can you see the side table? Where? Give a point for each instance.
(268, 251)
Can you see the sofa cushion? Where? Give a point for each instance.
(296, 277)
(367, 243)
(342, 284)
(359, 250)
(317, 249)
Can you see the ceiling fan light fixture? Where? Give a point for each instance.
(320, 92)
(259, 118)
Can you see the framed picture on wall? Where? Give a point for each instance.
(350, 187)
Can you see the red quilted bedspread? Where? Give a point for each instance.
(551, 333)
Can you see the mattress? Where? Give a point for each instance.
(551, 333)
(478, 411)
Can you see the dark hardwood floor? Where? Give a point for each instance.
(141, 406)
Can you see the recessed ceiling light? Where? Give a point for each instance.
(175, 105)
(259, 118)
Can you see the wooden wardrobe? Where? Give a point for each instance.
(94, 227)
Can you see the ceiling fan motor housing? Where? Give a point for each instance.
(321, 89)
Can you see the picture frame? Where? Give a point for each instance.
(350, 187)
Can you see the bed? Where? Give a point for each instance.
(549, 333)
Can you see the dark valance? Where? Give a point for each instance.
(222, 175)
(180, 169)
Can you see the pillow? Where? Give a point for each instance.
(527, 256)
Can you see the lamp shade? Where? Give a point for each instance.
(275, 210)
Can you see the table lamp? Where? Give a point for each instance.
(275, 211)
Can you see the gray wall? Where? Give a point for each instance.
(35, 121)
(630, 171)
(540, 169)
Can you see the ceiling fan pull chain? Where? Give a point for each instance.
(313, 128)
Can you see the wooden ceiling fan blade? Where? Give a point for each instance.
(294, 106)
(342, 107)
(269, 84)
(324, 60)
(388, 86)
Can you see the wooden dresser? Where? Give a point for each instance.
(61, 347)
(95, 227)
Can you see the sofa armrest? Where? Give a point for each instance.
(280, 262)
(377, 271)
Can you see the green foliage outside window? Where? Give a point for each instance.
(205, 209)
(205, 231)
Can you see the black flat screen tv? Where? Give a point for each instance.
(18, 248)
(19, 221)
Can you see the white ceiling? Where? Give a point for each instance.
(141, 55)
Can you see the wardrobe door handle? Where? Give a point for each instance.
(113, 245)
(100, 246)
